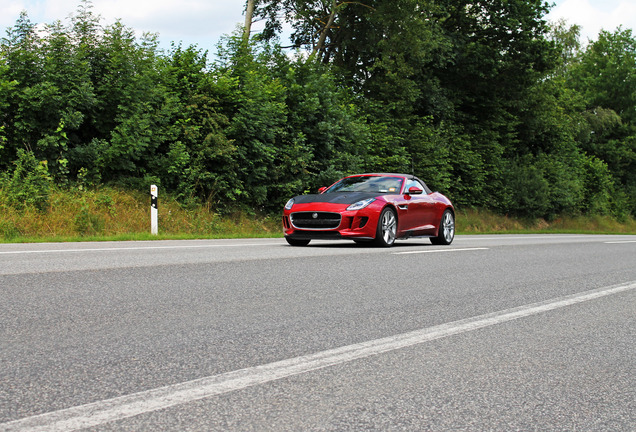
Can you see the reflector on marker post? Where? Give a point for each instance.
(154, 225)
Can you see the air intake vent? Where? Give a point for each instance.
(315, 220)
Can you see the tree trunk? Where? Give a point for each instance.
(249, 11)
(323, 34)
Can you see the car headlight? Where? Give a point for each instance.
(289, 204)
(360, 204)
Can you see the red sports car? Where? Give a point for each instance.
(376, 208)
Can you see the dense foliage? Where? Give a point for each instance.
(484, 100)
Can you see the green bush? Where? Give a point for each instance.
(528, 191)
(87, 223)
(8, 230)
(29, 185)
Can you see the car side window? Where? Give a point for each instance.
(414, 183)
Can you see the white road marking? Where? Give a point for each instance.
(116, 249)
(98, 413)
(472, 237)
(45, 251)
(464, 237)
(439, 250)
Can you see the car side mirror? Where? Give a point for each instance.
(415, 191)
(322, 189)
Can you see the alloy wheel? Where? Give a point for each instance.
(448, 227)
(389, 227)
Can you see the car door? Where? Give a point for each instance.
(418, 210)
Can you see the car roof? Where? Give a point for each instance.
(408, 176)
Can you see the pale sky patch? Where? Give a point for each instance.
(595, 15)
(204, 22)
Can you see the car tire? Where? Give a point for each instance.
(387, 228)
(297, 242)
(446, 231)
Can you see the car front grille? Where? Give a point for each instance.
(315, 220)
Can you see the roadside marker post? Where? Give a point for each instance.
(154, 224)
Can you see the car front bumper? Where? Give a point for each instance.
(358, 224)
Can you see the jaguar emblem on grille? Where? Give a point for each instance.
(315, 215)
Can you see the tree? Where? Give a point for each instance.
(21, 56)
(316, 23)
(567, 39)
(326, 134)
(605, 75)
(7, 87)
(197, 161)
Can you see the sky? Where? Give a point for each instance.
(203, 22)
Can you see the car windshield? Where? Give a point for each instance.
(377, 184)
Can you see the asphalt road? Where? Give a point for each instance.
(491, 333)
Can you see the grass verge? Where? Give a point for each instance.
(112, 214)
(476, 221)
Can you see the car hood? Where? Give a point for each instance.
(335, 198)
